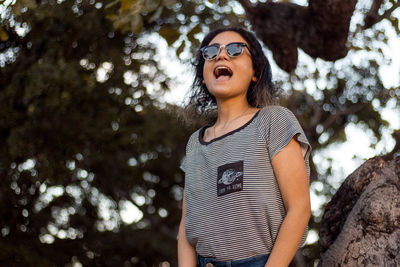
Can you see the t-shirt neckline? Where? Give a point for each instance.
(203, 129)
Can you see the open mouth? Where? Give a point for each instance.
(223, 73)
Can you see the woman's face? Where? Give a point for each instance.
(241, 67)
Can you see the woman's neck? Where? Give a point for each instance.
(229, 111)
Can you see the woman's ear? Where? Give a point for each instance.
(254, 79)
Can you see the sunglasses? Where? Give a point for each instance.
(235, 49)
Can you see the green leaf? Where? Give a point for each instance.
(126, 5)
(112, 17)
(169, 34)
(356, 48)
(20, 4)
(3, 35)
(169, 3)
(17, 8)
(127, 21)
(132, 6)
(156, 14)
(31, 109)
(137, 24)
(111, 4)
(181, 48)
(151, 5)
(396, 24)
(122, 20)
(195, 43)
(30, 4)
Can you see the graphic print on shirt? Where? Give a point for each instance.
(230, 178)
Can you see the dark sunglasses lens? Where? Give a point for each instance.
(234, 49)
(210, 52)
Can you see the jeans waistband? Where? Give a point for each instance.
(256, 261)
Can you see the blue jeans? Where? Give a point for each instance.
(256, 261)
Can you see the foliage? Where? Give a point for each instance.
(82, 139)
(84, 134)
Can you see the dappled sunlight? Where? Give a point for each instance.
(129, 212)
(91, 143)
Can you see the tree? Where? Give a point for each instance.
(81, 130)
(360, 226)
(344, 92)
(321, 29)
(82, 140)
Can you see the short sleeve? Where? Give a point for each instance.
(183, 164)
(283, 127)
(187, 151)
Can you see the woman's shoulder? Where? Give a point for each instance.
(273, 111)
(194, 137)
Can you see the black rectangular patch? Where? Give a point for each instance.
(230, 178)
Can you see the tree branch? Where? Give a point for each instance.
(373, 11)
(319, 29)
(246, 4)
(396, 150)
(340, 113)
(373, 17)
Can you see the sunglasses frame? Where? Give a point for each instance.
(243, 45)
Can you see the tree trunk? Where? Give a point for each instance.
(361, 224)
(320, 29)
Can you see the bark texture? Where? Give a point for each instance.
(361, 224)
(320, 29)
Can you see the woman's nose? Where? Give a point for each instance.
(222, 53)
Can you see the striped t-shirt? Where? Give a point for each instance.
(234, 208)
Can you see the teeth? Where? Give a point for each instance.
(222, 70)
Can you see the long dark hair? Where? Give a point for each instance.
(202, 105)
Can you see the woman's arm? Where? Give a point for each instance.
(291, 173)
(186, 252)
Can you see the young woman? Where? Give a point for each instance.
(246, 199)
